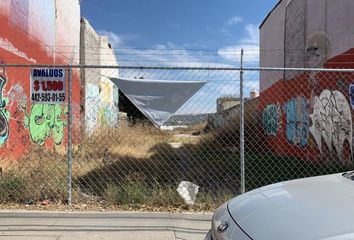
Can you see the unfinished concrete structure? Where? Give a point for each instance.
(99, 102)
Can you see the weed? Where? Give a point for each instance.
(136, 166)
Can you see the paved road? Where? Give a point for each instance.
(107, 226)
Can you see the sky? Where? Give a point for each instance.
(198, 30)
(188, 33)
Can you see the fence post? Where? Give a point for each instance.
(69, 153)
(242, 125)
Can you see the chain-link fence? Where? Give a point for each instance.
(122, 151)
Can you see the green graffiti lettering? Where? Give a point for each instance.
(45, 121)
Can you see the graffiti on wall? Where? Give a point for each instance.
(331, 121)
(92, 107)
(107, 115)
(100, 107)
(272, 119)
(18, 102)
(4, 114)
(108, 109)
(17, 94)
(297, 121)
(30, 32)
(351, 95)
(45, 121)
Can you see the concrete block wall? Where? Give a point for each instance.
(99, 101)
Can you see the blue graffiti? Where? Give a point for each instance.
(297, 121)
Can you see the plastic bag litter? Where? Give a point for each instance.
(188, 192)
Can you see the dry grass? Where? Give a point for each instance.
(130, 166)
(136, 141)
(136, 168)
(38, 175)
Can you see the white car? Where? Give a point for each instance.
(317, 208)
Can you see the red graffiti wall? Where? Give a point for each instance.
(311, 114)
(308, 114)
(35, 32)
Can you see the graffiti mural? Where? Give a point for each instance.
(32, 32)
(93, 103)
(45, 121)
(17, 94)
(297, 121)
(101, 109)
(272, 119)
(351, 95)
(107, 116)
(108, 108)
(331, 121)
(4, 114)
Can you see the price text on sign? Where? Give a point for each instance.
(48, 85)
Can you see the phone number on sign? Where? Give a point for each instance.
(48, 97)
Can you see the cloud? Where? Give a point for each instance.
(234, 20)
(250, 44)
(228, 89)
(114, 39)
(253, 34)
(169, 54)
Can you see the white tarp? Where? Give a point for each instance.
(157, 99)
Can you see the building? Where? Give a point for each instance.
(99, 102)
(305, 33)
(308, 114)
(228, 110)
(35, 32)
(224, 103)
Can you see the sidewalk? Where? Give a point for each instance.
(22, 225)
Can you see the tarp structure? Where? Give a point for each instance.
(158, 100)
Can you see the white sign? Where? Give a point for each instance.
(48, 85)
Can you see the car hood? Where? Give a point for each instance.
(312, 208)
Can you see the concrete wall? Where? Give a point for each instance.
(304, 33)
(272, 46)
(99, 104)
(224, 103)
(232, 115)
(33, 31)
(68, 24)
(300, 109)
(109, 92)
(90, 77)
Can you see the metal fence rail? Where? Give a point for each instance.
(100, 148)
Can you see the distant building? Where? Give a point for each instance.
(224, 103)
(254, 93)
(228, 110)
